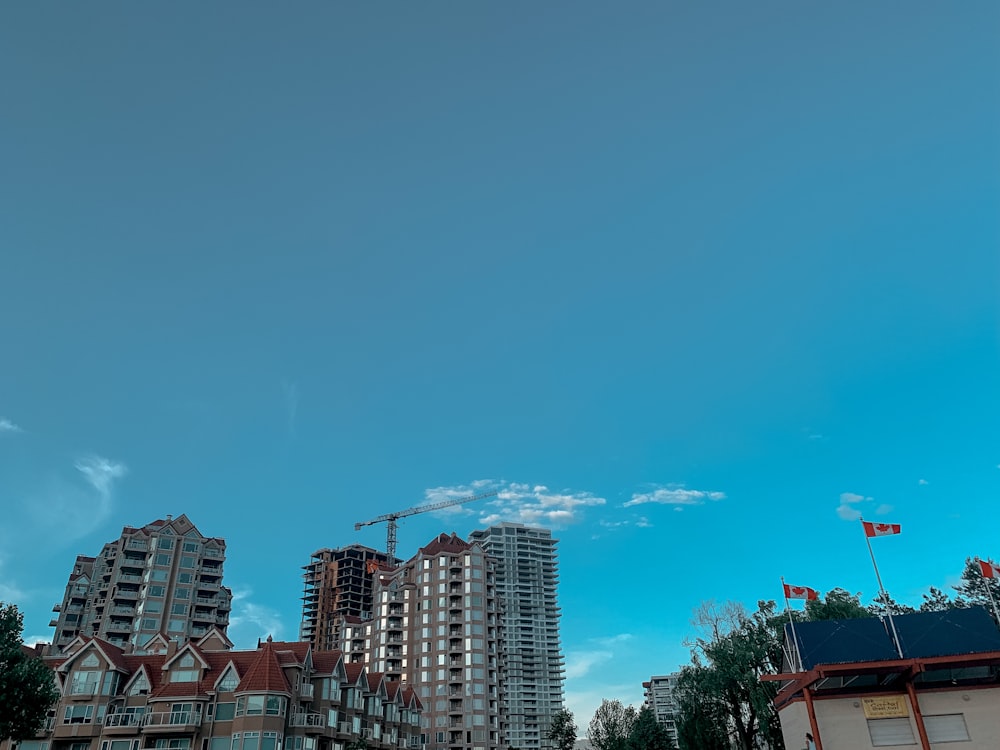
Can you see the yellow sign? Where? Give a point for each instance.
(885, 707)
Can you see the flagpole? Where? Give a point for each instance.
(885, 596)
(989, 590)
(795, 638)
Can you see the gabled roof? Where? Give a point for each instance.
(328, 663)
(215, 633)
(265, 674)
(445, 543)
(111, 653)
(355, 671)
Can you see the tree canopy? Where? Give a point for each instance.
(611, 726)
(27, 688)
(562, 730)
(648, 734)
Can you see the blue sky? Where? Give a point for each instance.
(695, 283)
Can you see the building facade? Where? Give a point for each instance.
(436, 626)
(660, 695)
(926, 680)
(337, 584)
(162, 578)
(204, 696)
(526, 574)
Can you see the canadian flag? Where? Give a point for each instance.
(990, 570)
(880, 529)
(801, 592)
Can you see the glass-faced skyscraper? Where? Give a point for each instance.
(526, 581)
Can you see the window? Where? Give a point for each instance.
(188, 562)
(84, 682)
(140, 686)
(192, 547)
(229, 681)
(158, 575)
(178, 609)
(179, 743)
(185, 675)
(90, 660)
(888, 732)
(150, 623)
(946, 728)
(251, 740)
(186, 578)
(155, 591)
(163, 559)
(176, 626)
(182, 593)
(269, 741)
(219, 743)
(78, 714)
(153, 607)
(225, 711)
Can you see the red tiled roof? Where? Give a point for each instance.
(325, 662)
(298, 649)
(445, 543)
(354, 670)
(265, 674)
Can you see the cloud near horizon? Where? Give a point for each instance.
(532, 505)
(252, 621)
(849, 509)
(6, 426)
(676, 495)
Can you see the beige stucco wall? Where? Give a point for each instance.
(842, 725)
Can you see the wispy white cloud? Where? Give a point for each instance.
(532, 505)
(883, 509)
(923, 482)
(80, 509)
(250, 621)
(849, 509)
(8, 427)
(581, 662)
(676, 495)
(100, 473)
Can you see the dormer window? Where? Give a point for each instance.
(187, 671)
(229, 681)
(140, 686)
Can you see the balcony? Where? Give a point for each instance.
(306, 691)
(129, 578)
(122, 723)
(311, 722)
(173, 721)
(344, 727)
(125, 594)
(47, 726)
(82, 690)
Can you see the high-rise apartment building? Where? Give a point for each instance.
(436, 627)
(164, 578)
(338, 584)
(526, 577)
(661, 696)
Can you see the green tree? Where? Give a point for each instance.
(937, 600)
(975, 588)
(701, 715)
(27, 688)
(562, 730)
(611, 726)
(648, 734)
(736, 649)
(884, 603)
(838, 604)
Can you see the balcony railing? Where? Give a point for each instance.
(83, 688)
(173, 718)
(307, 720)
(123, 720)
(306, 691)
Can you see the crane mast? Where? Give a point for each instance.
(391, 519)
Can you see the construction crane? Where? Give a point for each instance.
(392, 518)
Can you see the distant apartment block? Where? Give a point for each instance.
(436, 627)
(338, 585)
(203, 696)
(661, 697)
(526, 577)
(163, 578)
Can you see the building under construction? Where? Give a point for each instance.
(338, 583)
